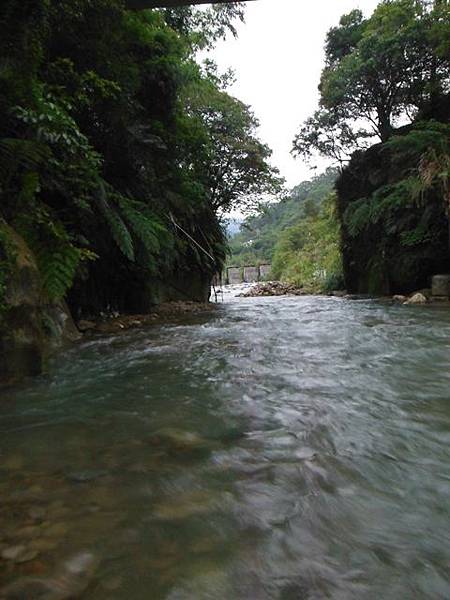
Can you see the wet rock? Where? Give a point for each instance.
(417, 298)
(273, 288)
(43, 544)
(69, 581)
(181, 442)
(37, 513)
(399, 299)
(86, 476)
(57, 530)
(86, 325)
(187, 505)
(112, 584)
(27, 556)
(28, 531)
(13, 552)
(13, 463)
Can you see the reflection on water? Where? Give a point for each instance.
(280, 448)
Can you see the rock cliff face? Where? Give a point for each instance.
(392, 242)
(30, 325)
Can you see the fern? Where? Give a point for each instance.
(357, 216)
(58, 266)
(15, 154)
(119, 231)
(146, 228)
(414, 237)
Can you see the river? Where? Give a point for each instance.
(288, 448)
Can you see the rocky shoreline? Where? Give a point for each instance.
(274, 288)
(163, 313)
(278, 288)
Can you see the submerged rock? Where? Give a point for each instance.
(71, 579)
(177, 441)
(13, 552)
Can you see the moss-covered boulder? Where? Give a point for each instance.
(394, 231)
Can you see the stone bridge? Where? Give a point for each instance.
(248, 274)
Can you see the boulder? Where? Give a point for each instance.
(399, 299)
(417, 298)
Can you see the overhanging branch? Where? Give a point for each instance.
(142, 4)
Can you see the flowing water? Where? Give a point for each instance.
(286, 448)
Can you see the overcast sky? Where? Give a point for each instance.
(278, 58)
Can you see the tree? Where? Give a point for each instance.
(379, 72)
(234, 166)
(106, 169)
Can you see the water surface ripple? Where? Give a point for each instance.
(285, 448)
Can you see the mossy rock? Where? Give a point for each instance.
(29, 325)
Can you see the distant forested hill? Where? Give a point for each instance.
(259, 235)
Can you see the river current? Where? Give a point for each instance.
(276, 448)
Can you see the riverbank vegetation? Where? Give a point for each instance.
(386, 81)
(384, 121)
(261, 233)
(118, 152)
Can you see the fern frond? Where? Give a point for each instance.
(143, 224)
(15, 153)
(119, 231)
(57, 265)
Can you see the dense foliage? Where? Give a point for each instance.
(260, 233)
(379, 72)
(118, 151)
(308, 254)
(394, 212)
(387, 77)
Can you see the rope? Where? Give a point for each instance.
(191, 238)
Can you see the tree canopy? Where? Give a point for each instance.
(379, 72)
(117, 150)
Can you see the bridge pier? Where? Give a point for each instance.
(247, 274)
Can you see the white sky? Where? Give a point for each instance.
(278, 58)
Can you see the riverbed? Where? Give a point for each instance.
(275, 448)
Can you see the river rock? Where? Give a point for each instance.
(417, 298)
(69, 581)
(28, 531)
(37, 513)
(178, 441)
(86, 325)
(399, 299)
(27, 556)
(13, 552)
(273, 288)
